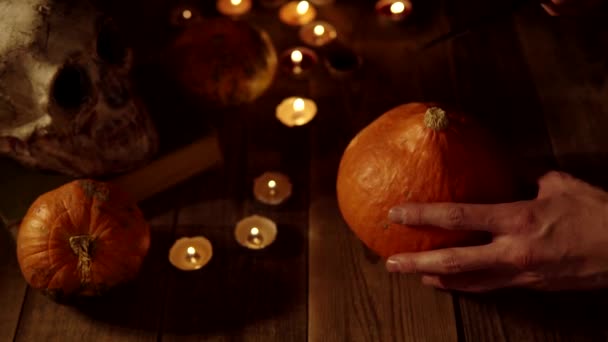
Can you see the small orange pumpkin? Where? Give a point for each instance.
(418, 153)
(223, 62)
(81, 239)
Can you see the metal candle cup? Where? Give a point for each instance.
(318, 33)
(233, 7)
(255, 232)
(296, 111)
(272, 188)
(395, 10)
(189, 254)
(296, 13)
(298, 62)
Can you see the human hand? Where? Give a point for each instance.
(558, 241)
(565, 7)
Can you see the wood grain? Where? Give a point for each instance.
(12, 286)
(351, 295)
(242, 294)
(128, 313)
(538, 83)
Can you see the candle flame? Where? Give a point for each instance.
(187, 14)
(272, 184)
(255, 231)
(319, 30)
(398, 7)
(191, 251)
(296, 56)
(299, 105)
(236, 2)
(303, 7)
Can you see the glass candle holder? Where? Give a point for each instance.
(296, 111)
(297, 13)
(233, 7)
(272, 188)
(189, 254)
(298, 62)
(255, 232)
(395, 10)
(318, 33)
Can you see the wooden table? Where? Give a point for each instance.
(539, 82)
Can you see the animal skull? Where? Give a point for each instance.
(66, 99)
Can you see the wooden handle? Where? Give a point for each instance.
(171, 169)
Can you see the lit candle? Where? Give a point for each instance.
(318, 33)
(299, 61)
(297, 13)
(189, 254)
(255, 232)
(394, 9)
(233, 7)
(296, 111)
(272, 188)
(183, 15)
(296, 58)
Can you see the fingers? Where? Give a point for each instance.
(479, 282)
(494, 218)
(448, 261)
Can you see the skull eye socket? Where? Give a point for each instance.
(111, 48)
(72, 87)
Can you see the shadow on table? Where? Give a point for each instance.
(531, 315)
(236, 289)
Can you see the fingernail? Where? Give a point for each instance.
(393, 265)
(396, 214)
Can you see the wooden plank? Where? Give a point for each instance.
(494, 82)
(241, 294)
(128, 313)
(570, 72)
(12, 286)
(351, 296)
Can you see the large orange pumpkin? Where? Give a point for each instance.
(223, 62)
(81, 239)
(418, 152)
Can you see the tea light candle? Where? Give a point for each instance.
(318, 33)
(394, 9)
(299, 61)
(233, 7)
(255, 232)
(184, 15)
(272, 188)
(297, 13)
(296, 111)
(189, 254)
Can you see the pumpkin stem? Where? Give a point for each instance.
(82, 245)
(436, 119)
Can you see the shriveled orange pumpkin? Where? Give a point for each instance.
(81, 239)
(418, 152)
(223, 62)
